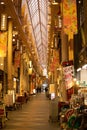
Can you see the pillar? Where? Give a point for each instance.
(10, 83)
(21, 76)
(65, 57)
(65, 51)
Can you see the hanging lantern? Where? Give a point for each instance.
(30, 71)
(3, 22)
(18, 44)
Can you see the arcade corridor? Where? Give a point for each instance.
(34, 115)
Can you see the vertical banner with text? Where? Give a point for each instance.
(3, 44)
(70, 17)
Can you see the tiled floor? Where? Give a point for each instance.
(33, 116)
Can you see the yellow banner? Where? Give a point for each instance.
(70, 17)
(3, 44)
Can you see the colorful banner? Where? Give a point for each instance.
(68, 76)
(54, 64)
(3, 44)
(68, 70)
(69, 17)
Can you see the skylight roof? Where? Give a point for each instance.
(38, 15)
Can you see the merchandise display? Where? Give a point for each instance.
(2, 114)
(74, 116)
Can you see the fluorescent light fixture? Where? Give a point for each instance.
(9, 17)
(79, 69)
(84, 66)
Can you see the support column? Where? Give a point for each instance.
(10, 83)
(65, 57)
(65, 51)
(21, 76)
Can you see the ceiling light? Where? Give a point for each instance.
(55, 2)
(84, 66)
(79, 1)
(79, 69)
(9, 17)
(13, 40)
(1, 64)
(2, 3)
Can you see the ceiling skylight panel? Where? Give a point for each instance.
(37, 31)
(44, 41)
(33, 2)
(39, 37)
(43, 4)
(38, 14)
(34, 10)
(39, 48)
(43, 7)
(35, 19)
(43, 36)
(32, 6)
(43, 19)
(45, 45)
(38, 44)
(38, 41)
(43, 29)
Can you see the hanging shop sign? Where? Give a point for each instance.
(3, 44)
(69, 17)
(68, 73)
(68, 70)
(68, 76)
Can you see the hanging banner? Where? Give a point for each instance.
(70, 17)
(68, 70)
(3, 44)
(17, 59)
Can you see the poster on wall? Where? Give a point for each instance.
(3, 44)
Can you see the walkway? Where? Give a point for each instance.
(33, 116)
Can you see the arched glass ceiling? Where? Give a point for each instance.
(38, 10)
